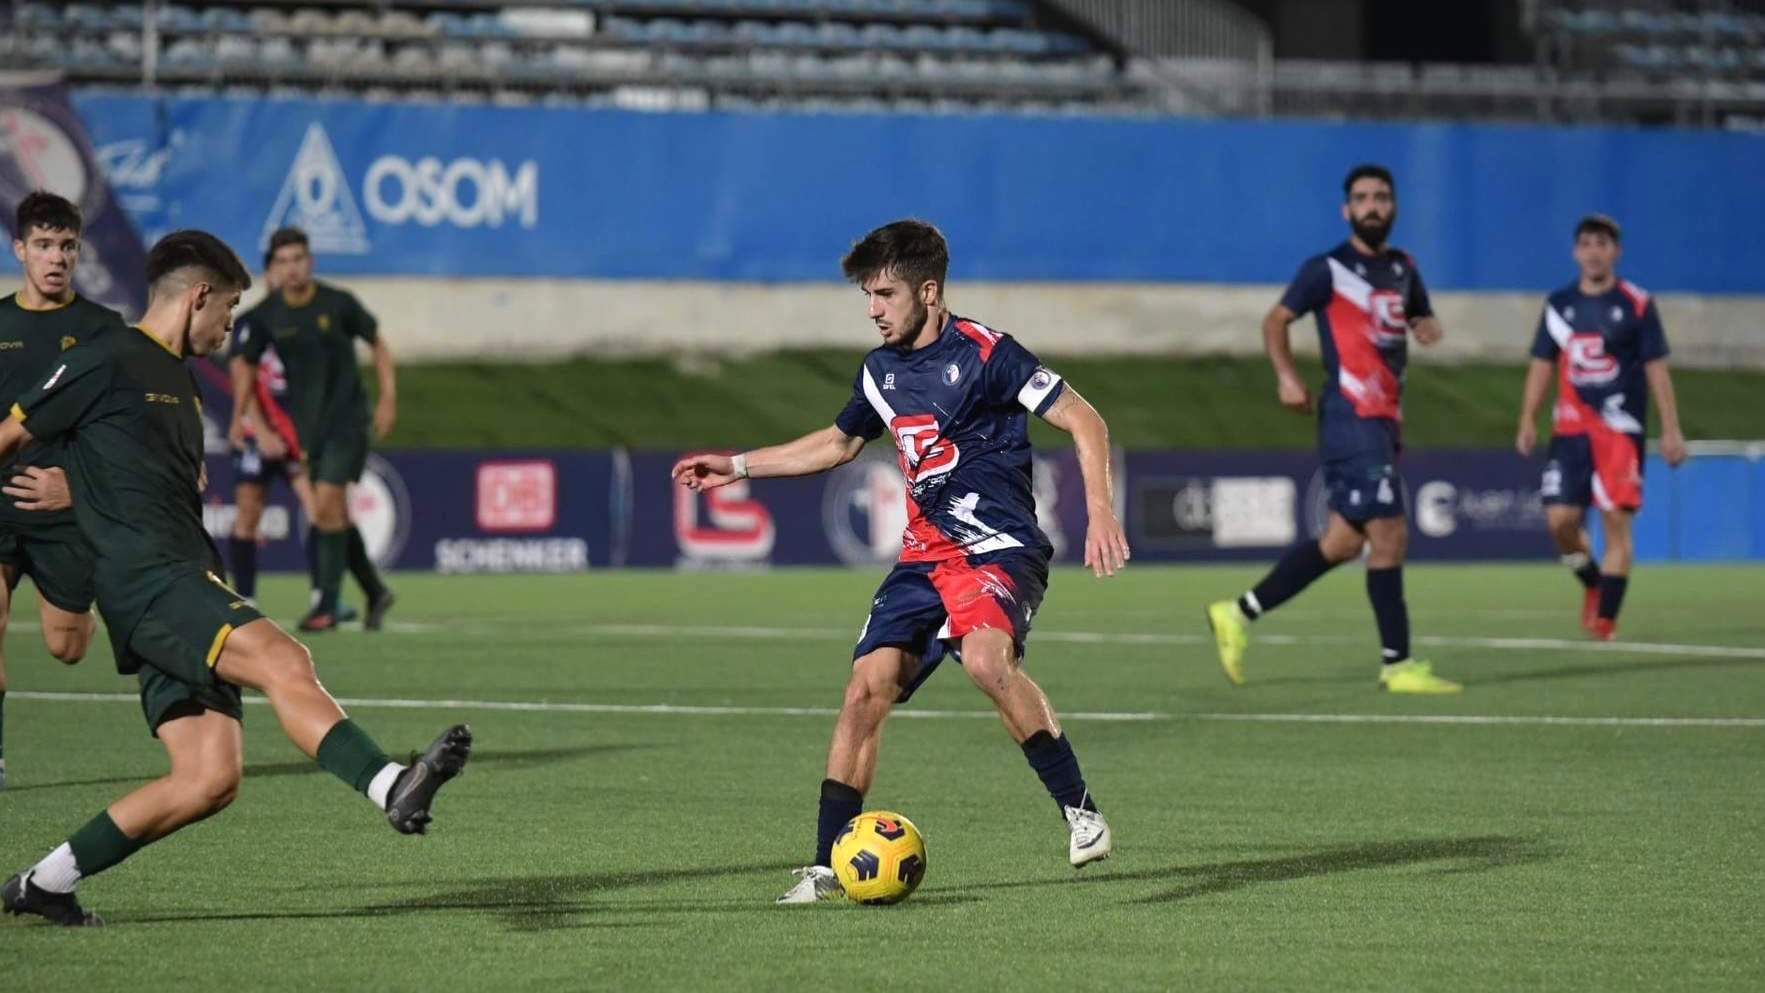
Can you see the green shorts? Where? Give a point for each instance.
(176, 643)
(338, 458)
(56, 557)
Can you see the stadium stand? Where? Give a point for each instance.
(655, 54)
(1699, 62)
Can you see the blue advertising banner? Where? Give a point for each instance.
(568, 511)
(460, 512)
(402, 188)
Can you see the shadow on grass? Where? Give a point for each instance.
(1657, 664)
(508, 759)
(522, 903)
(1453, 856)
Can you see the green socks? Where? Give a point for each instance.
(333, 554)
(100, 845)
(349, 754)
(362, 567)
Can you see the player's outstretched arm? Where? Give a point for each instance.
(1106, 545)
(815, 452)
(1661, 385)
(1289, 388)
(1538, 378)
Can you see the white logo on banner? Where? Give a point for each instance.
(315, 198)
(380, 508)
(1250, 511)
(465, 193)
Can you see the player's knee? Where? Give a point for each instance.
(288, 662)
(990, 670)
(208, 789)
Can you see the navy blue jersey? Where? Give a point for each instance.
(1364, 305)
(1600, 345)
(958, 412)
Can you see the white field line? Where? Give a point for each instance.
(774, 633)
(674, 710)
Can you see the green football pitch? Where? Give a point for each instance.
(1582, 817)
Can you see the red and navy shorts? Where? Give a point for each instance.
(1602, 468)
(925, 608)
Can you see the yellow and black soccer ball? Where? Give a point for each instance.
(879, 857)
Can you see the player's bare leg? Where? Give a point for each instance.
(871, 691)
(1614, 571)
(990, 658)
(262, 657)
(206, 749)
(1573, 550)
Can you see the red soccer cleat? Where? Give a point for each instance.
(1590, 608)
(1603, 629)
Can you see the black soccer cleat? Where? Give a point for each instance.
(407, 806)
(21, 896)
(377, 608)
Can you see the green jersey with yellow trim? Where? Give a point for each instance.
(127, 408)
(316, 342)
(30, 343)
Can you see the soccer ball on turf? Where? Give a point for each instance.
(879, 857)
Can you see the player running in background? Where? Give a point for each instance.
(37, 323)
(1602, 337)
(127, 405)
(265, 457)
(314, 328)
(1368, 299)
(953, 394)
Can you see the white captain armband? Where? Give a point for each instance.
(1036, 392)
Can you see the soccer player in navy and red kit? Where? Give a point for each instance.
(1602, 339)
(954, 394)
(1368, 299)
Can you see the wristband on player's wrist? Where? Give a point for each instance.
(740, 462)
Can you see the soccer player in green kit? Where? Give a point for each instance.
(314, 328)
(128, 405)
(37, 323)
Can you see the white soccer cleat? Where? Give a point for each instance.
(1091, 839)
(814, 883)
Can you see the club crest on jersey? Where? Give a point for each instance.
(324, 322)
(67, 342)
(952, 373)
(1617, 313)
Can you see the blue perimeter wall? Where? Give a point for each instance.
(488, 191)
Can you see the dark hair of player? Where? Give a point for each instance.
(192, 249)
(282, 238)
(46, 211)
(913, 251)
(1368, 171)
(1598, 224)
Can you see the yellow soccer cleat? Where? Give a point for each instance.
(1230, 632)
(1414, 676)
